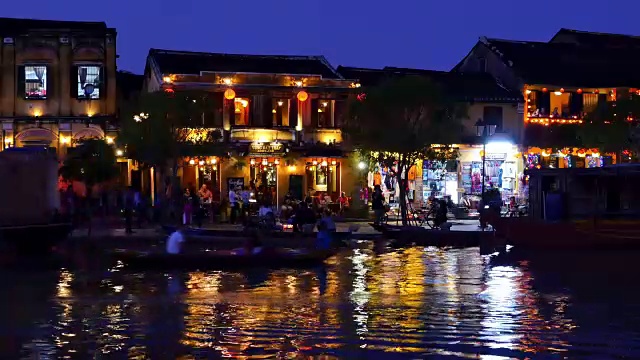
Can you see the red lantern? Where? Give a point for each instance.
(579, 91)
(544, 89)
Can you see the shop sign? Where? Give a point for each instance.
(494, 156)
(266, 149)
(234, 183)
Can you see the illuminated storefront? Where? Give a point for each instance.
(503, 167)
(323, 175)
(567, 158)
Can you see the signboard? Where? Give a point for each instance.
(266, 149)
(234, 183)
(496, 156)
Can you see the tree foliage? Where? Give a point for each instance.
(400, 121)
(159, 126)
(612, 126)
(92, 162)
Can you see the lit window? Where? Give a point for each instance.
(241, 112)
(280, 110)
(89, 81)
(324, 113)
(35, 82)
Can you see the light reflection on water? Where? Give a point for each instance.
(408, 303)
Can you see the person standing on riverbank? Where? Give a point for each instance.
(377, 204)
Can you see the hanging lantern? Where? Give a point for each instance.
(562, 90)
(579, 91)
(229, 94)
(302, 96)
(544, 89)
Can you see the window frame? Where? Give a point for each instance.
(23, 79)
(76, 83)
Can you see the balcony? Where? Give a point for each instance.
(262, 135)
(323, 136)
(551, 119)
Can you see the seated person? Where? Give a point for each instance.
(328, 222)
(265, 210)
(304, 215)
(323, 240)
(344, 201)
(253, 246)
(174, 243)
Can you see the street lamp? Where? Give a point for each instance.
(484, 130)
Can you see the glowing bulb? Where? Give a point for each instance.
(280, 103)
(167, 79)
(227, 81)
(192, 162)
(119, 152)
(109, 140)
(361, 165)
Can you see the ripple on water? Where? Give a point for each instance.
(409, 303)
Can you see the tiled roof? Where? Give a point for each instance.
(596, 39)
(569, 64)
(366, 77)
(14, 27)
(476, 87)
(186, 62)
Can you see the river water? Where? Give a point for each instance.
(410, 303)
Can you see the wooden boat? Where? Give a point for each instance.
(532, 234)
(338, 235)
(283, 258)
(39, 238)
(408, 235)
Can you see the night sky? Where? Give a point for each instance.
(426, 34)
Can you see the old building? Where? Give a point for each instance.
(279, 115)
(485, 100)
(562, 81)
(58, 82)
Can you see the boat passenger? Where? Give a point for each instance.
(323, 239)
(253, 246)
(328, 221)
(174, 243)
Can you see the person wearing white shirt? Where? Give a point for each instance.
(174, 243)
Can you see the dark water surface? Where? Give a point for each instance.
(410, 303)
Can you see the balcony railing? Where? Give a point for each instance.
(324, 136)
(262, 135)
(551, 119)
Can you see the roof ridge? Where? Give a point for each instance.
(597, 33)
(356, 68)
(53, 20)
(291, 57)
(513, 41)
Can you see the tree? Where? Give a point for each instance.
(161, 126)
(92, 162)
(400, 121)
(613, 126)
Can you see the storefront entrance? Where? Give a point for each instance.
(263, 180)
(323, 176)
